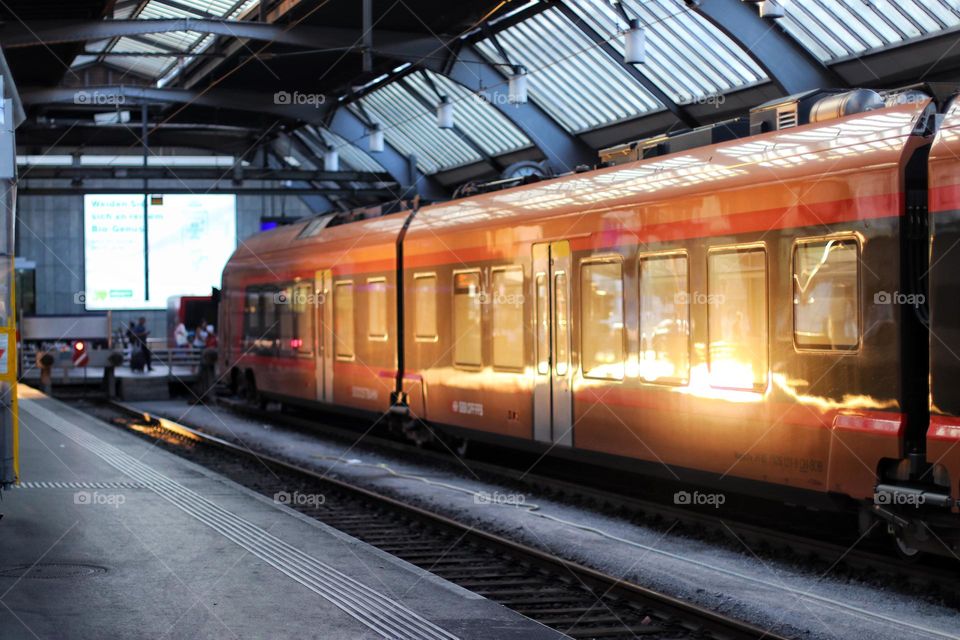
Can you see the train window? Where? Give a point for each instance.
(266, 340)
(343, 319)
(286, 320)
(466, 319)
(251, 315)
(543, 326)
(664, 319)
(561, 328)
(425, 307)
(737, 317)
(303, 303)
(377, 309)
(601, 320)
(826, 294)
(506, 300)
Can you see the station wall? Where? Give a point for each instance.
(49, 232)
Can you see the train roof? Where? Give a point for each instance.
(850, 142)
(317, 234)
(853, 141)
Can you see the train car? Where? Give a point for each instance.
(289, 311)
(727, 315)
(943, 448)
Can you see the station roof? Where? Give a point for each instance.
(209, 73)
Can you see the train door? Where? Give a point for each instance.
(323, 304)
(552, 395)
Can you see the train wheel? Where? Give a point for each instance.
(904, 549)
(903, 543)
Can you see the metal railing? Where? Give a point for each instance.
(179, 357)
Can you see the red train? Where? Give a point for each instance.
(775, 313)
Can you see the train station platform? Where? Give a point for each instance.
(111, 537)
(130, 385)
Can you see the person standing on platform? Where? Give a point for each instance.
(140, 334)
(200, 335)
(180, 336)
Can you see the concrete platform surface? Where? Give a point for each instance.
(111, 537)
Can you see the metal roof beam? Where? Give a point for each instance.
(239, 173)
(24, 187)
(316, 202)
(403, 169)
(393, 44)
(788, 64)
(563, 150)
(108, 97)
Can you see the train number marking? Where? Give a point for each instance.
(364, 393)
(467, 408)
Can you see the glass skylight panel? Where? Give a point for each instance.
(164, 68)
(579, 85)
(479, 120)
(687, 57)
(412, 129)
(350, 154)
(836, 29)
(149, 66)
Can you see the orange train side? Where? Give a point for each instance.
(825, 421)
(362, 254)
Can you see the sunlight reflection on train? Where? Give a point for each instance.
(732, 382)
(848, 402)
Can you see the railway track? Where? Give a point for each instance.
(571, 598)
(790, 539)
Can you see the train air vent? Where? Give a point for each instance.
(787, 116)
(784, 113)
(811, 106)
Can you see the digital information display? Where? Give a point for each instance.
(191, 237)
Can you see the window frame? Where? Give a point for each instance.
(655, 255)
(797, 242)
(306, 348)
(539, 340)
(337, 284)
(248, 340)
(465, 366)
(378, 337)
(270, 324)
(506, 268)
(740, 248)
(423, 275)
(587, 262)
(556, 342)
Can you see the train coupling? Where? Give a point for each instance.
(399, 406)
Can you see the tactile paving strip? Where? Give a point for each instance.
(378, 612)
